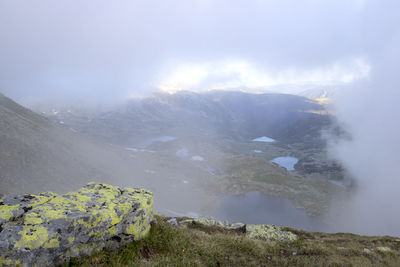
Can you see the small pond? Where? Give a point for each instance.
(182, 153)
(263, 139)
(338, 183)
(162, 138)
(258, 208)
(286, 162)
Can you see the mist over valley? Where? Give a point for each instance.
(232, 120)
(191, 149)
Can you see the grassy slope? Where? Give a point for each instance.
(255, 174)
(243, 171)
(211, 246)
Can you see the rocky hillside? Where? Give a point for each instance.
(37, 154)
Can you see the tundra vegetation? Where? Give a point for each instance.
(202, 245)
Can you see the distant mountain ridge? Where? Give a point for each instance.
(234, 114)
(294, 121)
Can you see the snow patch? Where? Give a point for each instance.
(197, 158)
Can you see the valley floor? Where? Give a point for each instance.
(213, 246)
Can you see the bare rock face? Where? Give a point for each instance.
(48, 229)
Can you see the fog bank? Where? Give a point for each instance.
(370, 113)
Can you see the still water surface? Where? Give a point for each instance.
(286, 162)
(258, 208)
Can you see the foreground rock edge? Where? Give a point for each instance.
(48, 228)
(265, 232)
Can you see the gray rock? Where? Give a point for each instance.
(365, 250)
(259, 231)
(173, 222)
(384, 249)
(48, 229)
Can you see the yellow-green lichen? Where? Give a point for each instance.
(384, 249)
(6, 211)
(97, 212)
(33, 218)
(52, 243)
(8, 262)
(32, 237)
(141, 227)
(269, 232)
(260, 231)
(225, 224)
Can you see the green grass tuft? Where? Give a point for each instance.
(212, 246)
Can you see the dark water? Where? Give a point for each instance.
(258, 208)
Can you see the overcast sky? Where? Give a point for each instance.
(112, 49)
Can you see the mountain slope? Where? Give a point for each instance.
(37, 154)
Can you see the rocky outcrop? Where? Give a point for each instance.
(265, 232)
(48, 229)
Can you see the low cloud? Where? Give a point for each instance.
(102, 51)
(230, 74)
(370, 113)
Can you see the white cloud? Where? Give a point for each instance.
(241, 73)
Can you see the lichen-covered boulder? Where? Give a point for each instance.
(269, 232)
(211, 222)
(265, 232)
(48, 228)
